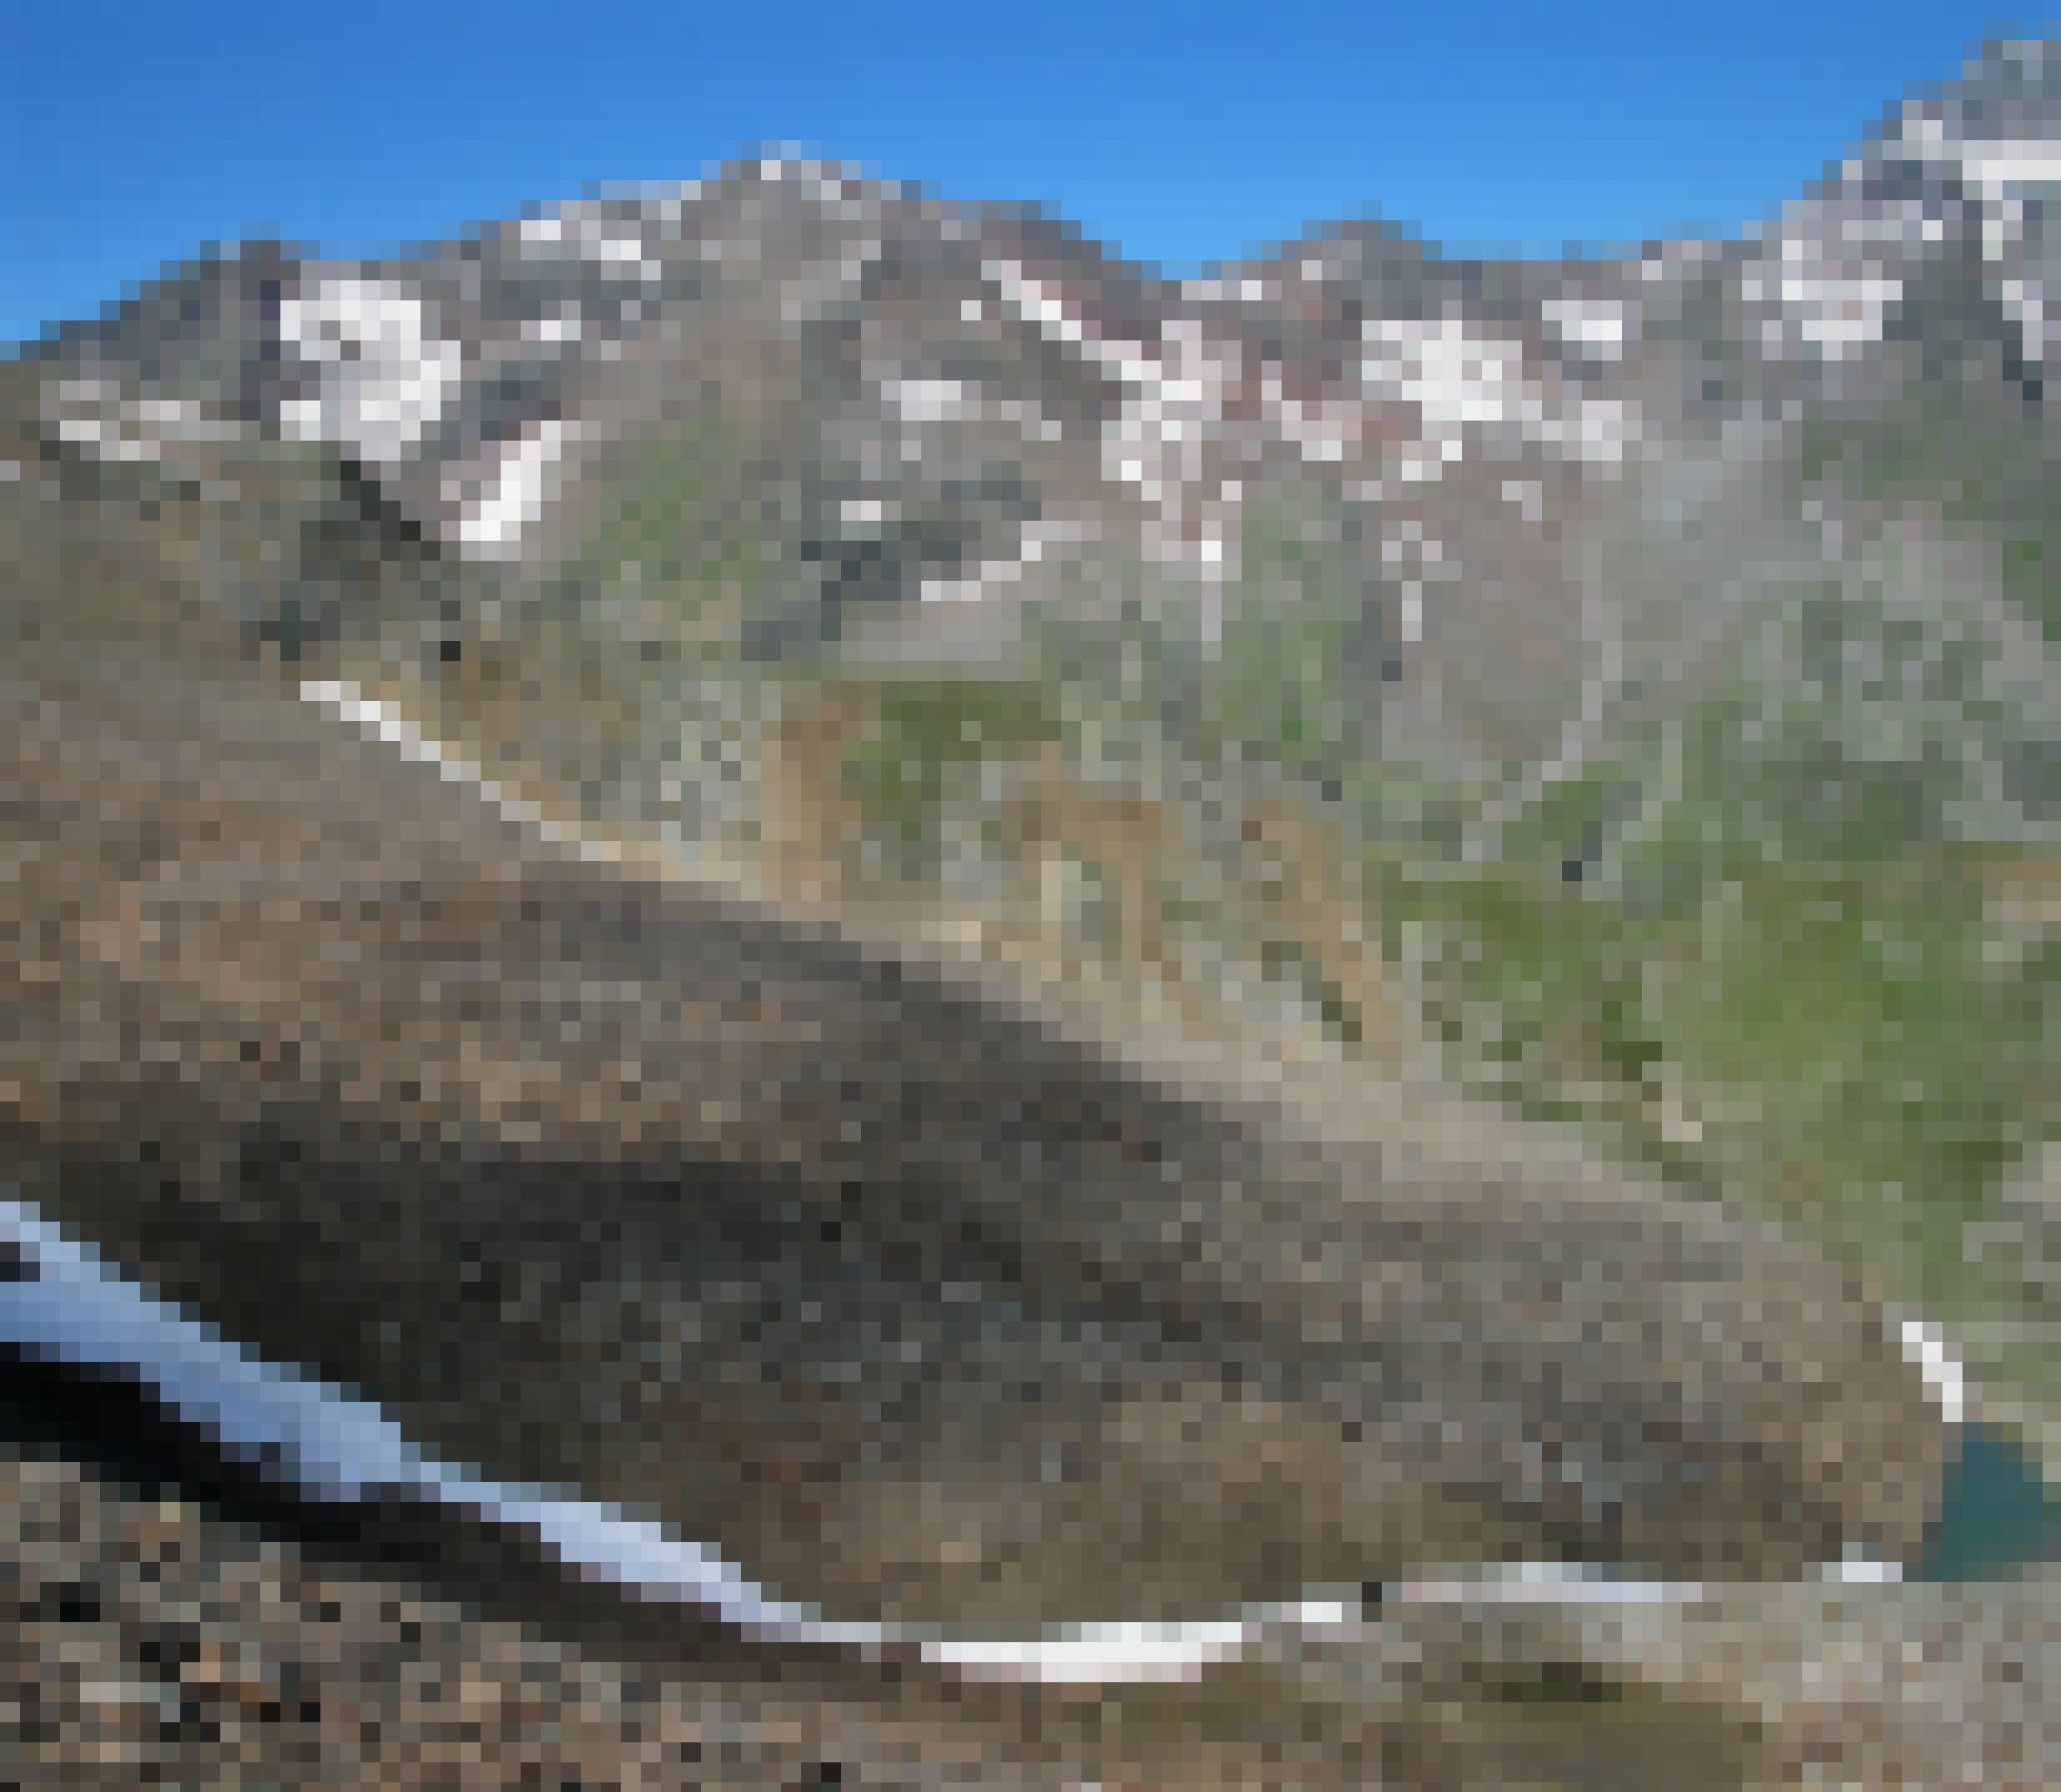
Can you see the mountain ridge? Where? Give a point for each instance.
(1068, 422)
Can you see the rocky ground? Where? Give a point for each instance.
(157, 1636)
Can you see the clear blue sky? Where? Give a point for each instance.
(133, 135)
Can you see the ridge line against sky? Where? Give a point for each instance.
(141, 134)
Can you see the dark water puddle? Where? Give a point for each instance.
(1996, 1515)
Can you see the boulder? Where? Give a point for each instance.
(912, 1297)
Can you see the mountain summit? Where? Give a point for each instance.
(829, 414)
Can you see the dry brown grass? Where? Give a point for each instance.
(1292, 877)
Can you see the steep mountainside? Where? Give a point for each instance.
(840, 867)
(1360, 646)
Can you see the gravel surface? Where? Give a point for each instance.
(160, 1627)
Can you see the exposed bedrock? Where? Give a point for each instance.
(911, 1301)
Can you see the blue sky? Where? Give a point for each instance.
(136, 135)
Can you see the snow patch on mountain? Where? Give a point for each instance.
(383, 375)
